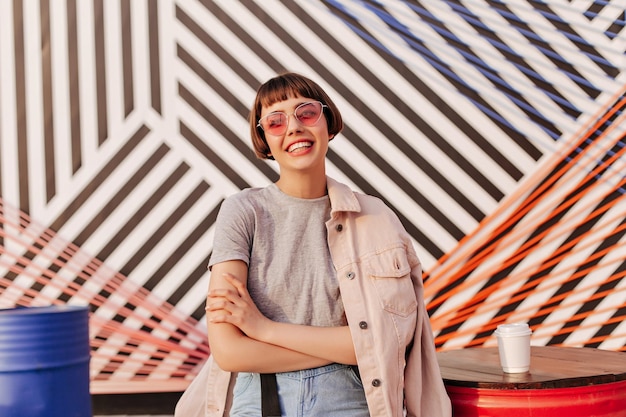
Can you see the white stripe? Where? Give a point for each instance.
(62, 112)
(34, 106)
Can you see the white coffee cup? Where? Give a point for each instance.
(514, 347)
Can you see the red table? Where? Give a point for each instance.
(571, 382)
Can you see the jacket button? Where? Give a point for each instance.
(363, 325)
(339, 228)
(350, 275)
(376, 382)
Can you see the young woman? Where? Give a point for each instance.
(315, 283)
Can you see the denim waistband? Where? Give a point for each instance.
(312, 372)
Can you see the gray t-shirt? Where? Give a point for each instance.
(283, 240)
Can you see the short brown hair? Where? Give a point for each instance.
(281, 88)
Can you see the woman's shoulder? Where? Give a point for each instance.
(240, 206)
(249, 204)
(374, 210)
(248, 196)
(357, 202)
(345, 197)
(371, 204)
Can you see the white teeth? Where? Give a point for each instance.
(299, 145)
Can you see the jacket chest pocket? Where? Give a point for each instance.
(390, 273)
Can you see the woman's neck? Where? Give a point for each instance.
(303, 186)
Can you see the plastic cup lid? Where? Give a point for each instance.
(513, 329)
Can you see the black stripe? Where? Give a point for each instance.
(155, 55)
(127, 57)
(594, 9)
(20, 107)
(616, 27)
(100, 68)
(48, 109)
(74, 83)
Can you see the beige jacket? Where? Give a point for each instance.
(382, 291)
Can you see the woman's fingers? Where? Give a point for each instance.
(219, 304)
(224, 293)
(241, 289)
(222, 311)
(235, 306)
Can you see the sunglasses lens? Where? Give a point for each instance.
(309, 113)
(275, 123)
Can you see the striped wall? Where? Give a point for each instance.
(494, 129)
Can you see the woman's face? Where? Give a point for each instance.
(304, 142)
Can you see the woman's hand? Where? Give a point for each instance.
(237, 308)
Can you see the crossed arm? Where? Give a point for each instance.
(243, 340)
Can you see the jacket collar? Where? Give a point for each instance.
(341, 197)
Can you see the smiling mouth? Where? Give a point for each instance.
(299, 145)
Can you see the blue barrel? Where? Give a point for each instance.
(44, 362)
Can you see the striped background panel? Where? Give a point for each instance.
(494, 129)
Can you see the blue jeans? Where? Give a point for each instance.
(333, 390)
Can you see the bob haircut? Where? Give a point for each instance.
(283, 87)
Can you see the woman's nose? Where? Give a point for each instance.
(295, 125)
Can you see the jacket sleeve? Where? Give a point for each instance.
(425, 393)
